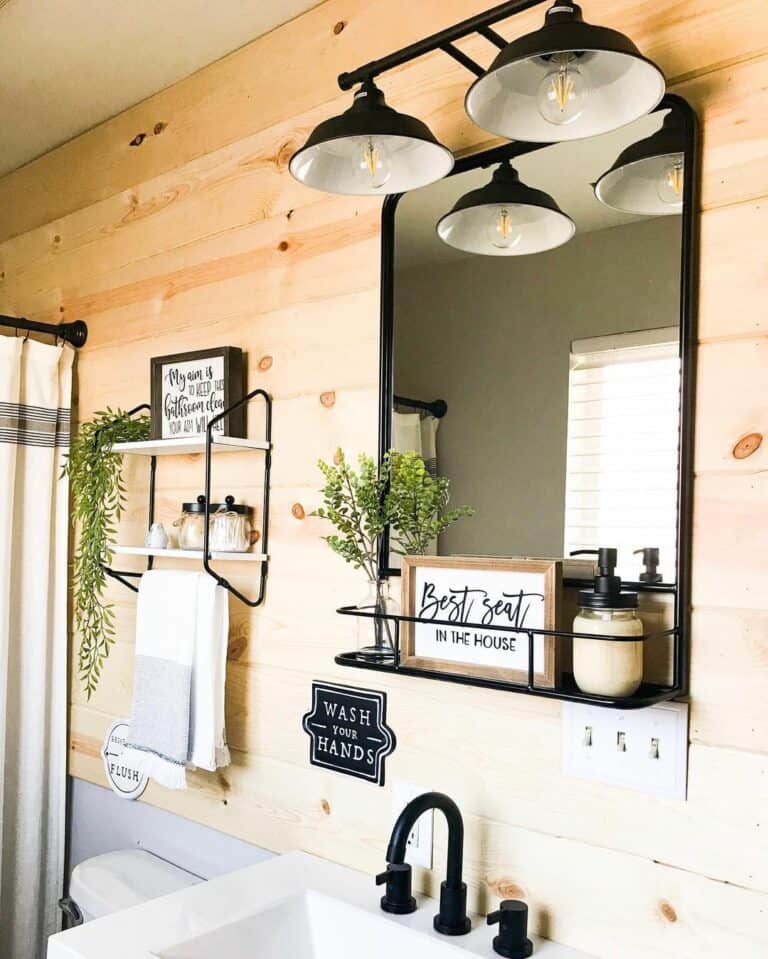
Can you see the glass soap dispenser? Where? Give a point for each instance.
(607, 667)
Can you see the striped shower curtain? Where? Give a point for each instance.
(35, 396)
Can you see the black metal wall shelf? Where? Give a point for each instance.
(649, 694)
(209, 445)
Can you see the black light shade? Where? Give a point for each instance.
(505, 218)
(648, 176)
(565, 81)
(371, 150)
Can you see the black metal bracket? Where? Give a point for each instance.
(264, 540)
(443, 40)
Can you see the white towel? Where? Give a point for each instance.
(178, 695)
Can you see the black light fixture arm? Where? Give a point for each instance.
(443, 40)
(75, 333)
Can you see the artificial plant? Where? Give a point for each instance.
(98, 498)
(401, 493)
(416, 504)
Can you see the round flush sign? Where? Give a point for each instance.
(126, 781)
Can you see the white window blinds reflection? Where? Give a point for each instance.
(623, 438)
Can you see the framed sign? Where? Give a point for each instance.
(348, 731)
(486, 592)
(189, 389)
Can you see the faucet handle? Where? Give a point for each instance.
(398, 898)
(512, 941)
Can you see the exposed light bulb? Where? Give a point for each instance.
(372, 163)
(503, 232)
(671, 183)
(563, 91)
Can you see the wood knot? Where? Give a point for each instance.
(289, 214)
(236, 648)
(283, 246)
(57, 239)
(328, 399)
(138, 140)
(158, 128)
(506, 888)
(284, 153)
(325, 806)
(747, 445)
(265, 363)
(339, 27)
(298, 511)
(667, 911)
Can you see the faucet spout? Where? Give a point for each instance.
(452, 920)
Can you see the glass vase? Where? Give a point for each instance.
(377, 638)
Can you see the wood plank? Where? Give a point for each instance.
(235, 97)
(698, 837)
(729, 540)
(733, 281)
(735, 369)
(729, 677)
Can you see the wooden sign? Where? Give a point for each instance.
(483, 592)
(348, 731)
(189, 389)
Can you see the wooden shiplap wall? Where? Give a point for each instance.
(198, 236)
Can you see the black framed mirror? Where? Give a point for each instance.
(548, 370)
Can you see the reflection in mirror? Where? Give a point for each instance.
(556, 372)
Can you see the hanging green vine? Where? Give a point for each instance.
(98, 498)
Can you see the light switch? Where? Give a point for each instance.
(642, 749)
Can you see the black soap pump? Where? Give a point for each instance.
(650, 572)
(613, 666)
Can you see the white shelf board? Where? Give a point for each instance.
(192, 444)
(188, 554)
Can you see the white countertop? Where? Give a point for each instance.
(160, 924)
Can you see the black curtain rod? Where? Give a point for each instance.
(443, 40)
(75, 333)
(438, 408)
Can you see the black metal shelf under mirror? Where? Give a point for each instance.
(540, 355)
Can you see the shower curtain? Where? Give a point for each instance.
(35, 395)
(412, 431)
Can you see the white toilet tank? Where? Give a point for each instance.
(117, 880)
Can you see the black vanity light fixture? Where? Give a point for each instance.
(505, 218)
(371, 149)
(565, 81)
(648, 177)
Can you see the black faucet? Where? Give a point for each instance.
(452, 920)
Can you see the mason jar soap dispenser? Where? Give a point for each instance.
(607, 667)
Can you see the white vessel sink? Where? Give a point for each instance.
(291, 907)
(314, 926)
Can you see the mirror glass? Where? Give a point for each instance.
(553, 377)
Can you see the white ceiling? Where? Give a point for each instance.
(67, 65)
(565, 170)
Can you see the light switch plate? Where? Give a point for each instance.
(419, 845)
(642, 749)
